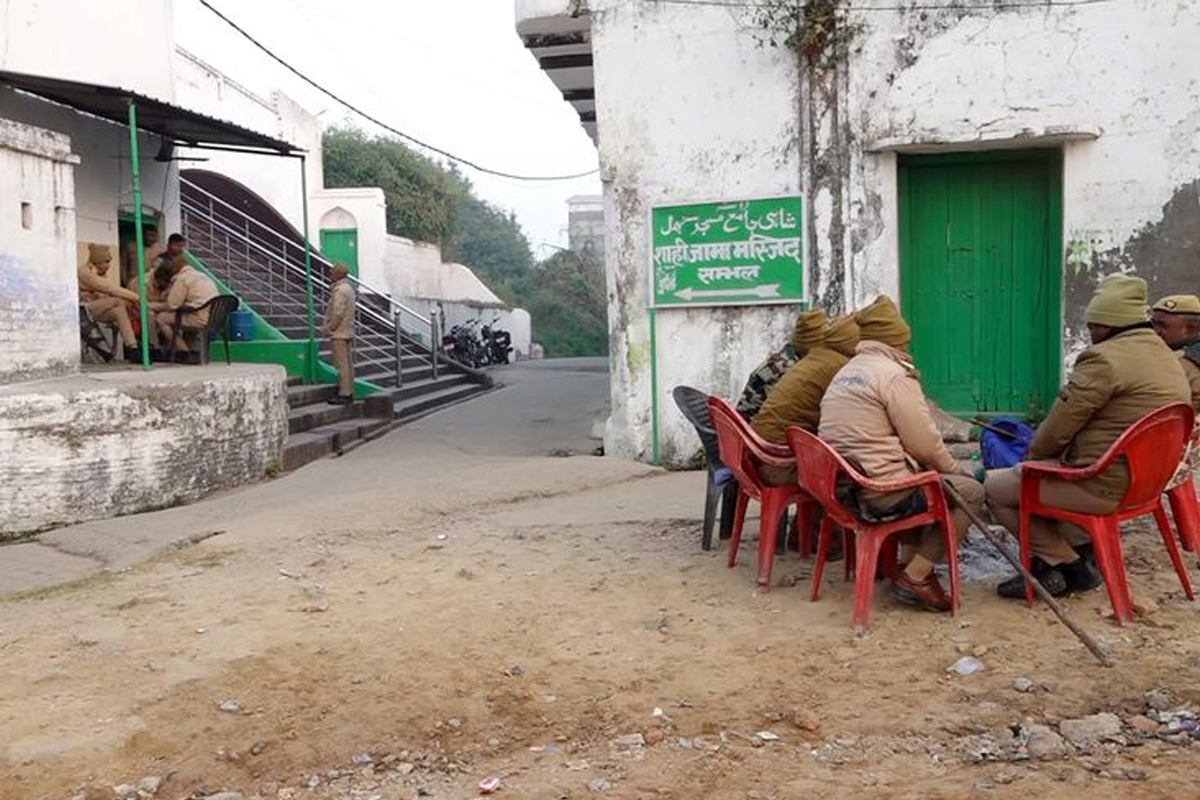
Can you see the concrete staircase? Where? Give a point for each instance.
(251, 249)
(317, 429)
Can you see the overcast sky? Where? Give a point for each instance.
(450, 72)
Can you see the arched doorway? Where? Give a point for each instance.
(339, 237)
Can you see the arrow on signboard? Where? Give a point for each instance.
(768, 290)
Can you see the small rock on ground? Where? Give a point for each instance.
(1087, 730)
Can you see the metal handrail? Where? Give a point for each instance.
(316, 257)
(318, 281)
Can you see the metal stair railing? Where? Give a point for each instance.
(268, 268)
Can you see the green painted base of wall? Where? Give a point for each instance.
(292, 356)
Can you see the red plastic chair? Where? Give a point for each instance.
(1185, 508)
(743, 451)
(819, 467)
(1184, 505)
(1152, 447)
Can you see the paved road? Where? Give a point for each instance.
(544, 408)
(486, 447)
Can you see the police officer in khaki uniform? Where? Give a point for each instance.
(190, 289)
(105, 301)
(339, 327)
(1177, 321)
(808, 332)
(796, 398)
(1127, 373)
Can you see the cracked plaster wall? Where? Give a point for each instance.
(1128, 73)
(39, 316)
(691, 108)
(99, 445)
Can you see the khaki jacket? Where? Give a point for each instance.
(1113, 385)
(192, 289)
(1189, 359)
(796, 397)
(875, 414)
(339, 314)
(93, 287)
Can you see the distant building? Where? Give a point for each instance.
(585, 225)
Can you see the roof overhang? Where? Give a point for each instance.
(561, 41)
(175, 124)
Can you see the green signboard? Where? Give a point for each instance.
(733, 253)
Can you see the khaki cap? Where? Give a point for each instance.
(810, 330)
(1179, 304)
(99, 254)
(1119, 301)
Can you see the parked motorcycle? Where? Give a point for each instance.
(462, 344)
(498, 342)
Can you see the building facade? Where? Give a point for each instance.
(585, 225)
(984, 165)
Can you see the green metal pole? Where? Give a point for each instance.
(310, 362)
(653, 388)
(137, 225)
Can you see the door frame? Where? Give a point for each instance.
(1055, 254)
(321, 238)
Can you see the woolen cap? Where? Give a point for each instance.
(338, 271)
(1119, 301)
(881, 322)
(810, 329)
(1179, 304)
(99, 254)
(842, 335)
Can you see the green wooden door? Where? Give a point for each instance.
(341, 244)
(981, 277)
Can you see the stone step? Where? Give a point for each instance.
(421, 404)
(299, 396)
(307, 446)
(417, 388)
(317, 415)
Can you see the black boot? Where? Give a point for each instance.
(1080, 575)
(133, 355)
(1050, 577)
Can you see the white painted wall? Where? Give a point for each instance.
(690, 107)
(203, 87)
(39, 321)
(100, 444)
(103, 186)
(124, 43)
(1127, 73)
(365, 206)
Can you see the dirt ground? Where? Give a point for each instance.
(426, 646)
(450, 603)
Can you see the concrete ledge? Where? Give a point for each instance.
(111, 442)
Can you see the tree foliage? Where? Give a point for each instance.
(565, 294)
(487, 239)
(422, 201)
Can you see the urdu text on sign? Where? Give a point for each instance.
(730, 253)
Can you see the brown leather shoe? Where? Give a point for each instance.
(928, 594)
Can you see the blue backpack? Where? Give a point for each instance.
(1000, 451)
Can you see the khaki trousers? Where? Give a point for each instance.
(930, 543)
(166, 324)
(113, 311)
(343, 361)
(1049, 540)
